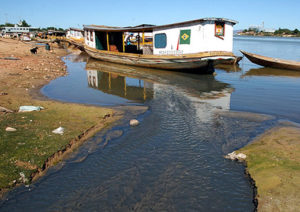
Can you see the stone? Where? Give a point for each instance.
(134, 122)
(10, 129)
(234, 156)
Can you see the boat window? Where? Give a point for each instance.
(160, 40)
(92, 36)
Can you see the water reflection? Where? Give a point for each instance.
(125, 87)
(229, 68)
(271, 72)
(191, 84)
(139, 84)
(78, 56)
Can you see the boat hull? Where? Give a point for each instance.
(272, 62)
(180, 62)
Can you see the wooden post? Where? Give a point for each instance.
(143, 38)
(123, 42)
(107, 41)
(139, 40)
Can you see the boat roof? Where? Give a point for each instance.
(150, 28)
(76, 29)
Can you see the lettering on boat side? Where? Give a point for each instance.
(171, 52)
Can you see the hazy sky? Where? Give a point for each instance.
(75, 13)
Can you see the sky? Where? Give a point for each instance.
(75, 13)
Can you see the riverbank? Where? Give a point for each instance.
(27, 152)
(273, 162)
(268, 35)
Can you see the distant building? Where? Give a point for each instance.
(261, 28)
(269, 30)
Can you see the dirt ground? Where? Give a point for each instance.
(29, 72)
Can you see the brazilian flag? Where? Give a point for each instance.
(185, 36)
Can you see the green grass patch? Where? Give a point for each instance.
(273, 161)
(28, 148)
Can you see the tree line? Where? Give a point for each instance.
(279, 31)
(287, 32)
(23, 23)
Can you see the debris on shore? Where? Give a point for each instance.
(10, 129)
(59, 130)
(30, 108)
(5, 110)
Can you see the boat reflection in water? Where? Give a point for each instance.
(78, 56)
(126, 87)
(141, 84)
(271, 72)
(228, 67)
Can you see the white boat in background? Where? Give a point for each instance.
(75, 35)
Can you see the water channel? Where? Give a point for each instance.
(172, 161)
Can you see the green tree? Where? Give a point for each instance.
(51, 28)
(24, 24)
(9, 24)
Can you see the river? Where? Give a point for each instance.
(174, 160)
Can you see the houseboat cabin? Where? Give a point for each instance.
(187, 45)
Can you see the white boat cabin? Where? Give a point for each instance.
(75, 33)
(202, 35)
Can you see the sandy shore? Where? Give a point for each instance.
(30, 71)
(29, 151)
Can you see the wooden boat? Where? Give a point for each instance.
(192, 45)
(272, 62)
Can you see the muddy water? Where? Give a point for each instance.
(173, 160)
